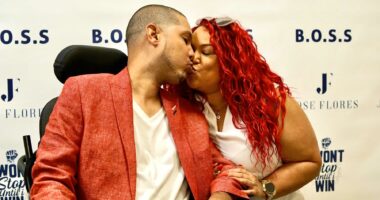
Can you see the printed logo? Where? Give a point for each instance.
(117, 36)
(317, 35)
(323, 88)
(328, 104)
(114, 36)
(16, 113)
(24, 37)
(11, 88)
(249, 31)
(11, 181)
(11, 155)
(330, 170)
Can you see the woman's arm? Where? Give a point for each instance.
(300, 152)
(300, 156)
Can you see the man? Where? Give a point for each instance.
(124, 137)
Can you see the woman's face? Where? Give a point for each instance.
(205, 74)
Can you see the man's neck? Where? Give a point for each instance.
(145, 89)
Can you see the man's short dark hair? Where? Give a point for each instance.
(158, 14)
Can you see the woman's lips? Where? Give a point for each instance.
(193, 68)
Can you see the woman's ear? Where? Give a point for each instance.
(153, 34)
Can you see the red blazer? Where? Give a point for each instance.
(88, 149)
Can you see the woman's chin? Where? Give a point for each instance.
(191, 83)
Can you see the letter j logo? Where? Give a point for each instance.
(10, 89)
(325, 83)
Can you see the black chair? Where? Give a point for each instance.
(71, 61)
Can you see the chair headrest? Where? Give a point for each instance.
(81, 59)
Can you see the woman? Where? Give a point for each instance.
(253, 119)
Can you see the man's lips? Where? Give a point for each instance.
(193, 68)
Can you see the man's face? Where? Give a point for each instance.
(177, 53)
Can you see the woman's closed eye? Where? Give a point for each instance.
(207, 51)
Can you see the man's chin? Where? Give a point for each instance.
(181, 80)
(177, 80)
(182, 77)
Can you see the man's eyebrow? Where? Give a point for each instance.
(187, 34)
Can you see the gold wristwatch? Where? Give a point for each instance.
(269, 189)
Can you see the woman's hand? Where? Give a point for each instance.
(250, 182)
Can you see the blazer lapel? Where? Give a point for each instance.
(178, 128)
(122, 101)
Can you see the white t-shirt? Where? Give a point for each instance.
(159, 171)
(234, 145)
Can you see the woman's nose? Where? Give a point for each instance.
(195, 57)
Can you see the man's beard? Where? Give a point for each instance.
(178, 75)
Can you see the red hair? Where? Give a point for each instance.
(255, 95)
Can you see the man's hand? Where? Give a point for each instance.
(220, 196)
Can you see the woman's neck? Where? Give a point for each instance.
(216, 101)
(219, 106)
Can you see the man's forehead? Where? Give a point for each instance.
(183, 29)
(182, 26)
(183, 21)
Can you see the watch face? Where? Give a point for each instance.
(269, 187)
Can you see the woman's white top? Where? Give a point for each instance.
(234, 145)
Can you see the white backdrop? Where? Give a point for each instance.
(326, 51)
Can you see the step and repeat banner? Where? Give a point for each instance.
(326, 51)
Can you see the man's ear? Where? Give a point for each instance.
(153, 34)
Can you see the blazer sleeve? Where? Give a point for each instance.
(221, 182)
(55, 168)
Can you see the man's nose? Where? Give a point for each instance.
(191, 53)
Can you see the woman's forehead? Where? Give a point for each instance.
(201, 35)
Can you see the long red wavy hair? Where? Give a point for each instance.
(255, 95)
